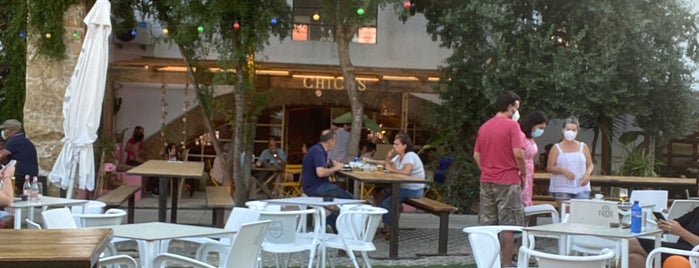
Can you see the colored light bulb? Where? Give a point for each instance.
(407, 4)
(273, 21)
(316, 16)
(200, 29)
(360, 11)
(133, 32)
(166, 31)
(48, 35)
(21, 35)
(236, 25)
(75, 34)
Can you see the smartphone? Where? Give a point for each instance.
(659, 215)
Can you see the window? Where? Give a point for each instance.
(309, 26)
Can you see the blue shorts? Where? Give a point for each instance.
(568, 196)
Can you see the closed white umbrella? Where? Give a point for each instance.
(82, 106)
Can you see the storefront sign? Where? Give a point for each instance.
(330, 83)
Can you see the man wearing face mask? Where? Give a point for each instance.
(19, 148)
(570, 165)
(500, 157)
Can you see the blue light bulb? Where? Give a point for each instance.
(133, 32)
(274, 21)
(21, 35)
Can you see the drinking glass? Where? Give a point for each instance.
(623, 194)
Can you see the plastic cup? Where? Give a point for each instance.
(379, 168)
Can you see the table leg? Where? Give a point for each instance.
(131, 208)
(150, 250)
(624, 253)
(395, 216)
(323, 249)
(18, 218)
(658, 240)
(174, 200)
(162, 199)
(523, 259)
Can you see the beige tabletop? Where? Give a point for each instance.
(53, 248)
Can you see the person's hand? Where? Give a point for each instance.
(568, 174)
(7, 172)
(585, 180)
(337, 165)
(671, 226)
(390, 154)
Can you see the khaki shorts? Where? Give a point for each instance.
(500, 204)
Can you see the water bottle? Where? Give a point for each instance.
(34, 197)
(27, 187)
(636, 217)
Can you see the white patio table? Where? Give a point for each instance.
(44, 202)
(153, 232)
(564, 229)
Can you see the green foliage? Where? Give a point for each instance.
(46, 16)
(639, 162)
(13, 59)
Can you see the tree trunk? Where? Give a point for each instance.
(241, 185)
(343, 37)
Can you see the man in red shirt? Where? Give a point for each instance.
(499, 155)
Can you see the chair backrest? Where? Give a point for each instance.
(58, 218)
(118, 261)
(548, 260)
(246, 246)
(645, 197)
(680, 207)
(110, 218)
(541, 209)
(286, 225)
(485, 244)
(359, 223)
(693, 255)
(32, 225)
(237, 218)
(593, 212)
(91, 207)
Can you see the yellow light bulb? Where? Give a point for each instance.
(316, 16)
(48, 35)
(165, 31)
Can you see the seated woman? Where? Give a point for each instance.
(686, 227)
(7, 194)
(402, 160)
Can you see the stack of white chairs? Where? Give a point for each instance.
(356, 227)
(287, 233)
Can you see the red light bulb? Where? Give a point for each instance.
(236, 25)
(406, 4)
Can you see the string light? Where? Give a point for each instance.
(200, 29)
(75, 34)
(48, 35)
(273, 21)
(236, 25)
(316, 16)
(166, 31)
(133, 32)
(21, 35)
(360, 11)
(407, 4)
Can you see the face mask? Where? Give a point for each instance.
(570, 134)
(4, 136)
(515, 116)
(537, 133)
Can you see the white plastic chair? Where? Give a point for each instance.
(32, 225)
(286, 233)
(547, 209)
(118, 261)
(58, 218)
(657, 253)
(548, 260)
(594, 212)
(485, 244)
(356, 227)
(648, 197)
(236, 219)
(243, 251)
(679, 207)
(111, 217)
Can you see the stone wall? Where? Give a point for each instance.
(46, 84)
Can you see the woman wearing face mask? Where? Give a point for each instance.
(532, 125)
(570, 165)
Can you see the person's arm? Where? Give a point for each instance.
(281, 157)
(589, 166)
(477, 158)
(407, 167)
(324, 172)
(552, 168)
(4, 154)
(374, 161)
(7, 193)
(519, 158)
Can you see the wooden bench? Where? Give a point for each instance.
(218, 199)
(439, 209)
(117, 197)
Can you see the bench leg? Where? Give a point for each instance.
(131, 209)
(443, 232)
(217, 217)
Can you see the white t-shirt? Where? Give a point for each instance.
(418, 171)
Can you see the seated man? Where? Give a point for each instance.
(272, 157)
(316, 169)
(7, 194)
